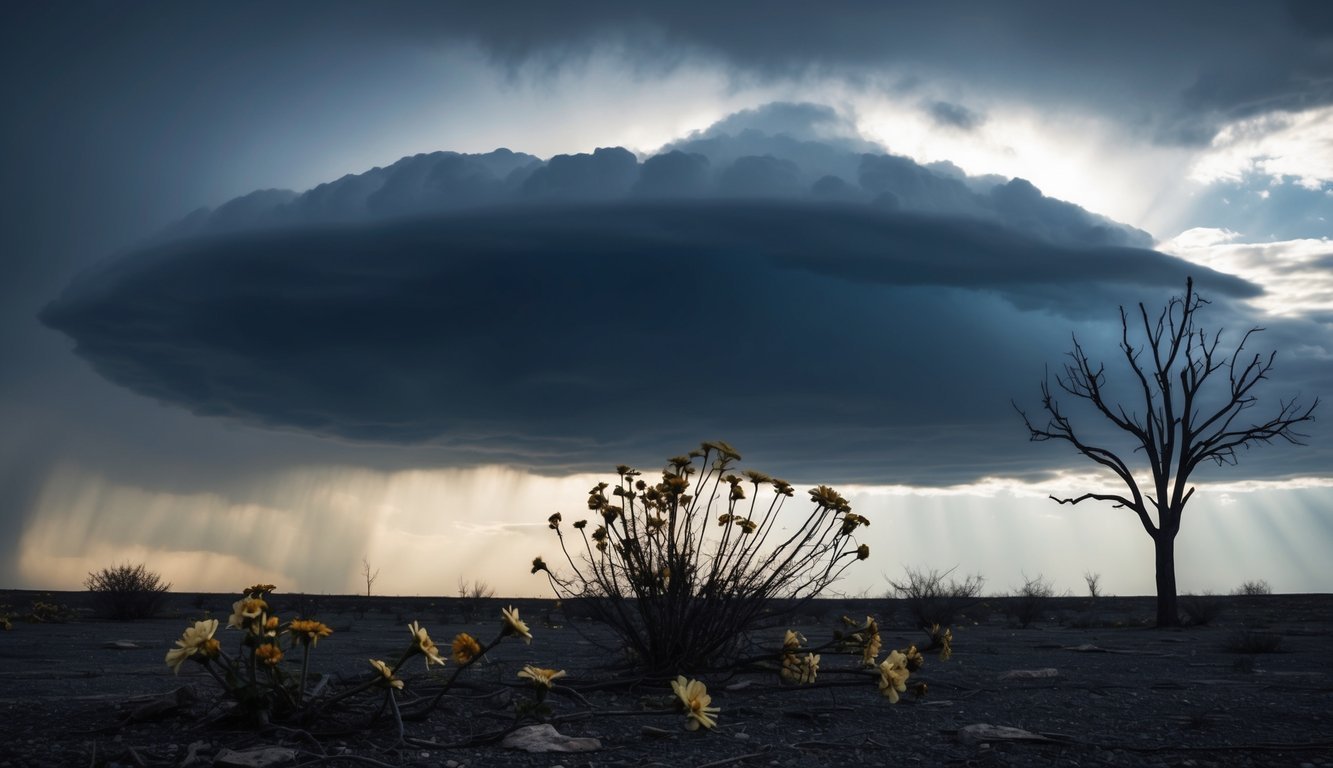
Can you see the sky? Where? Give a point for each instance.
(292, 287)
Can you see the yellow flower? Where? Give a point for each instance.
(269, 653)
(266, 626)
(694, 697)
(465, 648)
(423, 644)
(914, 658)
(870, 642)
(792, 641)
(387, 673)
(244, 610)
(893, 676)
(308, 632)
(825, 496)
(195, 639)
(541, 678)
(800, 669)
(946, 644)
(514, 625)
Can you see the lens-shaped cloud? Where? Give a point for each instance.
(548, 335)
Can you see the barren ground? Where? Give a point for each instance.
(1121, 694)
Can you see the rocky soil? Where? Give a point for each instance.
(1087, 683)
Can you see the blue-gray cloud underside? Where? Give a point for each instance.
(851, 342)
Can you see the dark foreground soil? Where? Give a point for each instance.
(74, 693)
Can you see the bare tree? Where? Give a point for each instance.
(370, 577)
(1185, 422)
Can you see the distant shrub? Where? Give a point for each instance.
(1253, 641)
(1029, 602)
(126, 591)
(1201, 610)
(470, 595)
(1253, 588)
(681, 569)
(1094, 582)
(933, 601)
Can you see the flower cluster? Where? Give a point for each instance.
(256, 675)
(678, 555)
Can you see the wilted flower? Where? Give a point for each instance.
(863, 552)
(266, 626)
(893, 676)
(946, 644)
(579, 524)
(387, 673)
(541, 678)
(538, 564)
(465, 648)
(850, 521)
(308, 632)
(825, 496)
(514, 625)
(914, 659)
(258, 590)
(269, 653)
(800, 669)
(792, 640)
(197, 639)
(693, 695)
(554, 521)
(919, 690)
(244, 610)
(870, 642)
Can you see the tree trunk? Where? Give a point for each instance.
(1167, 613)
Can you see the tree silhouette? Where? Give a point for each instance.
(1186, 420)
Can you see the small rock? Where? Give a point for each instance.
(121, 645)
(545, 738)
(1030, 674)
(742, 736)
(984, 733)
(263, 757)
(653, 732)
(452, 764)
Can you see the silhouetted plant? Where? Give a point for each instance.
(1253, 641)
(933, 601)
(679, 583)
(1201, 610)
(1253, 589)
(126, 591)
(1030, 600)
(1178, 421)
(470, 595)
(1094, 582)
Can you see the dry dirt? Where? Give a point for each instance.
(1121, 694)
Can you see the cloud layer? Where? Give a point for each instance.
(599, 306)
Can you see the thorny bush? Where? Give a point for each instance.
(682, 569)
(127, 591)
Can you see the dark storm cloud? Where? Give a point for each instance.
(544, 336)
(1179, 69)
